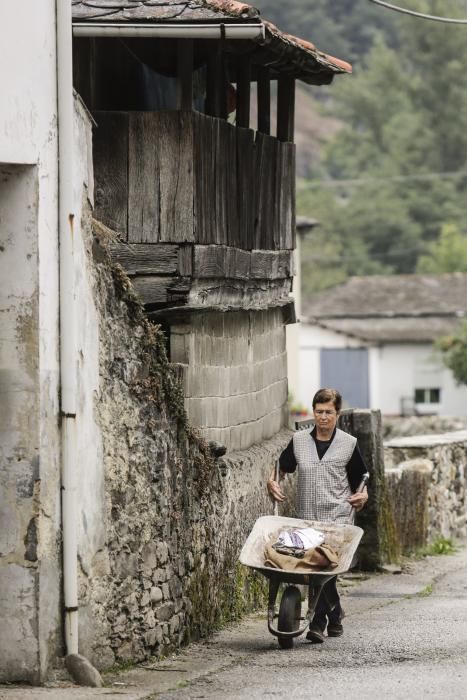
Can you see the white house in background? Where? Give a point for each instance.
(303, 225)
(372, 338)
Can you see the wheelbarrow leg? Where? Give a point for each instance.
(273, 588)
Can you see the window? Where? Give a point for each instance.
(432, 395)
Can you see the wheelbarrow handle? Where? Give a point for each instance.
(363, 483)
(277, 476)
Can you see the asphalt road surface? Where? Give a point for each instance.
(406, 647)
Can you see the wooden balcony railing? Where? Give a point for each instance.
(183, 177)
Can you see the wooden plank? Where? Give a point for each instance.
(110, 155)
(146, 258)
(221, 262)
(246, 195)
(287, 196)
(271, 264)
(285, 108)
(231, 184)
(243, 92)
(224, 262)
(209, 261)
(221, 129)
(204, 186)
(264, 100)
(144, 178)
(175, 149)
(238, 263)
(185, 74)
(265, 198)
(277, 208)
(158, 291)
(261, 264)
(259, 177)
(185, 260)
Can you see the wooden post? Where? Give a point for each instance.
(264, 100)
(216, 85)
(243, 92)
(285, 108)
(185, 74)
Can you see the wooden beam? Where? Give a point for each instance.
(147, 258)
(264, 100)
(185, 74)
(285, 108)
(243, 92)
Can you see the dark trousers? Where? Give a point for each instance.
(328, 608)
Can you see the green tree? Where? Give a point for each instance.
(447, 254)
(398, 168)
(454, 353)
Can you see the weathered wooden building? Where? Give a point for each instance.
(202, 199)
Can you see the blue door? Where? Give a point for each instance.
(346, 369)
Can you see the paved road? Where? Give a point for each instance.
(402, 648)
(405, 639)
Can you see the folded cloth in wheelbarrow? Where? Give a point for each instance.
(322, 557)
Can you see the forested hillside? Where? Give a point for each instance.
(389, 187)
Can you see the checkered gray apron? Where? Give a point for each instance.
(323, 486)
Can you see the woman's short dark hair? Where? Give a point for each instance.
(326, 395)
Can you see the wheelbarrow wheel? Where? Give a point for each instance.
(289, 615)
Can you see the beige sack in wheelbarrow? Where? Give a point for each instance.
(318, 558)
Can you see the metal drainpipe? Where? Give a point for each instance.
(67, 310)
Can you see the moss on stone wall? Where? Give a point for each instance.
(159, 382)
(390, 544)
(175, 521)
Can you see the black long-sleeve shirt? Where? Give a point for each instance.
(356, 467)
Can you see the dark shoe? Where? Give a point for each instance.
(315, 635)
(335, 629)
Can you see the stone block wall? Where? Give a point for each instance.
(427, 478)
(235, 374)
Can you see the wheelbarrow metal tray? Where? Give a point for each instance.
(344, 539)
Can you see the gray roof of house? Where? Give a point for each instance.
(392, 308)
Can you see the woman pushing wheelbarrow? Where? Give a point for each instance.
(331, 488)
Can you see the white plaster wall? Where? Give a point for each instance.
(91, 531)
(406, 367)
(19, 421)
(28, 135)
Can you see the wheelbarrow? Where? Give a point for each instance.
(344, 539)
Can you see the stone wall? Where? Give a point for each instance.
(427, 480)
(175, 518)
(405, 426)
(235, 374)
(378, 544)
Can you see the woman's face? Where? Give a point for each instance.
(325, 416)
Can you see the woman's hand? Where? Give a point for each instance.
(358, 500)
(275, 491)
